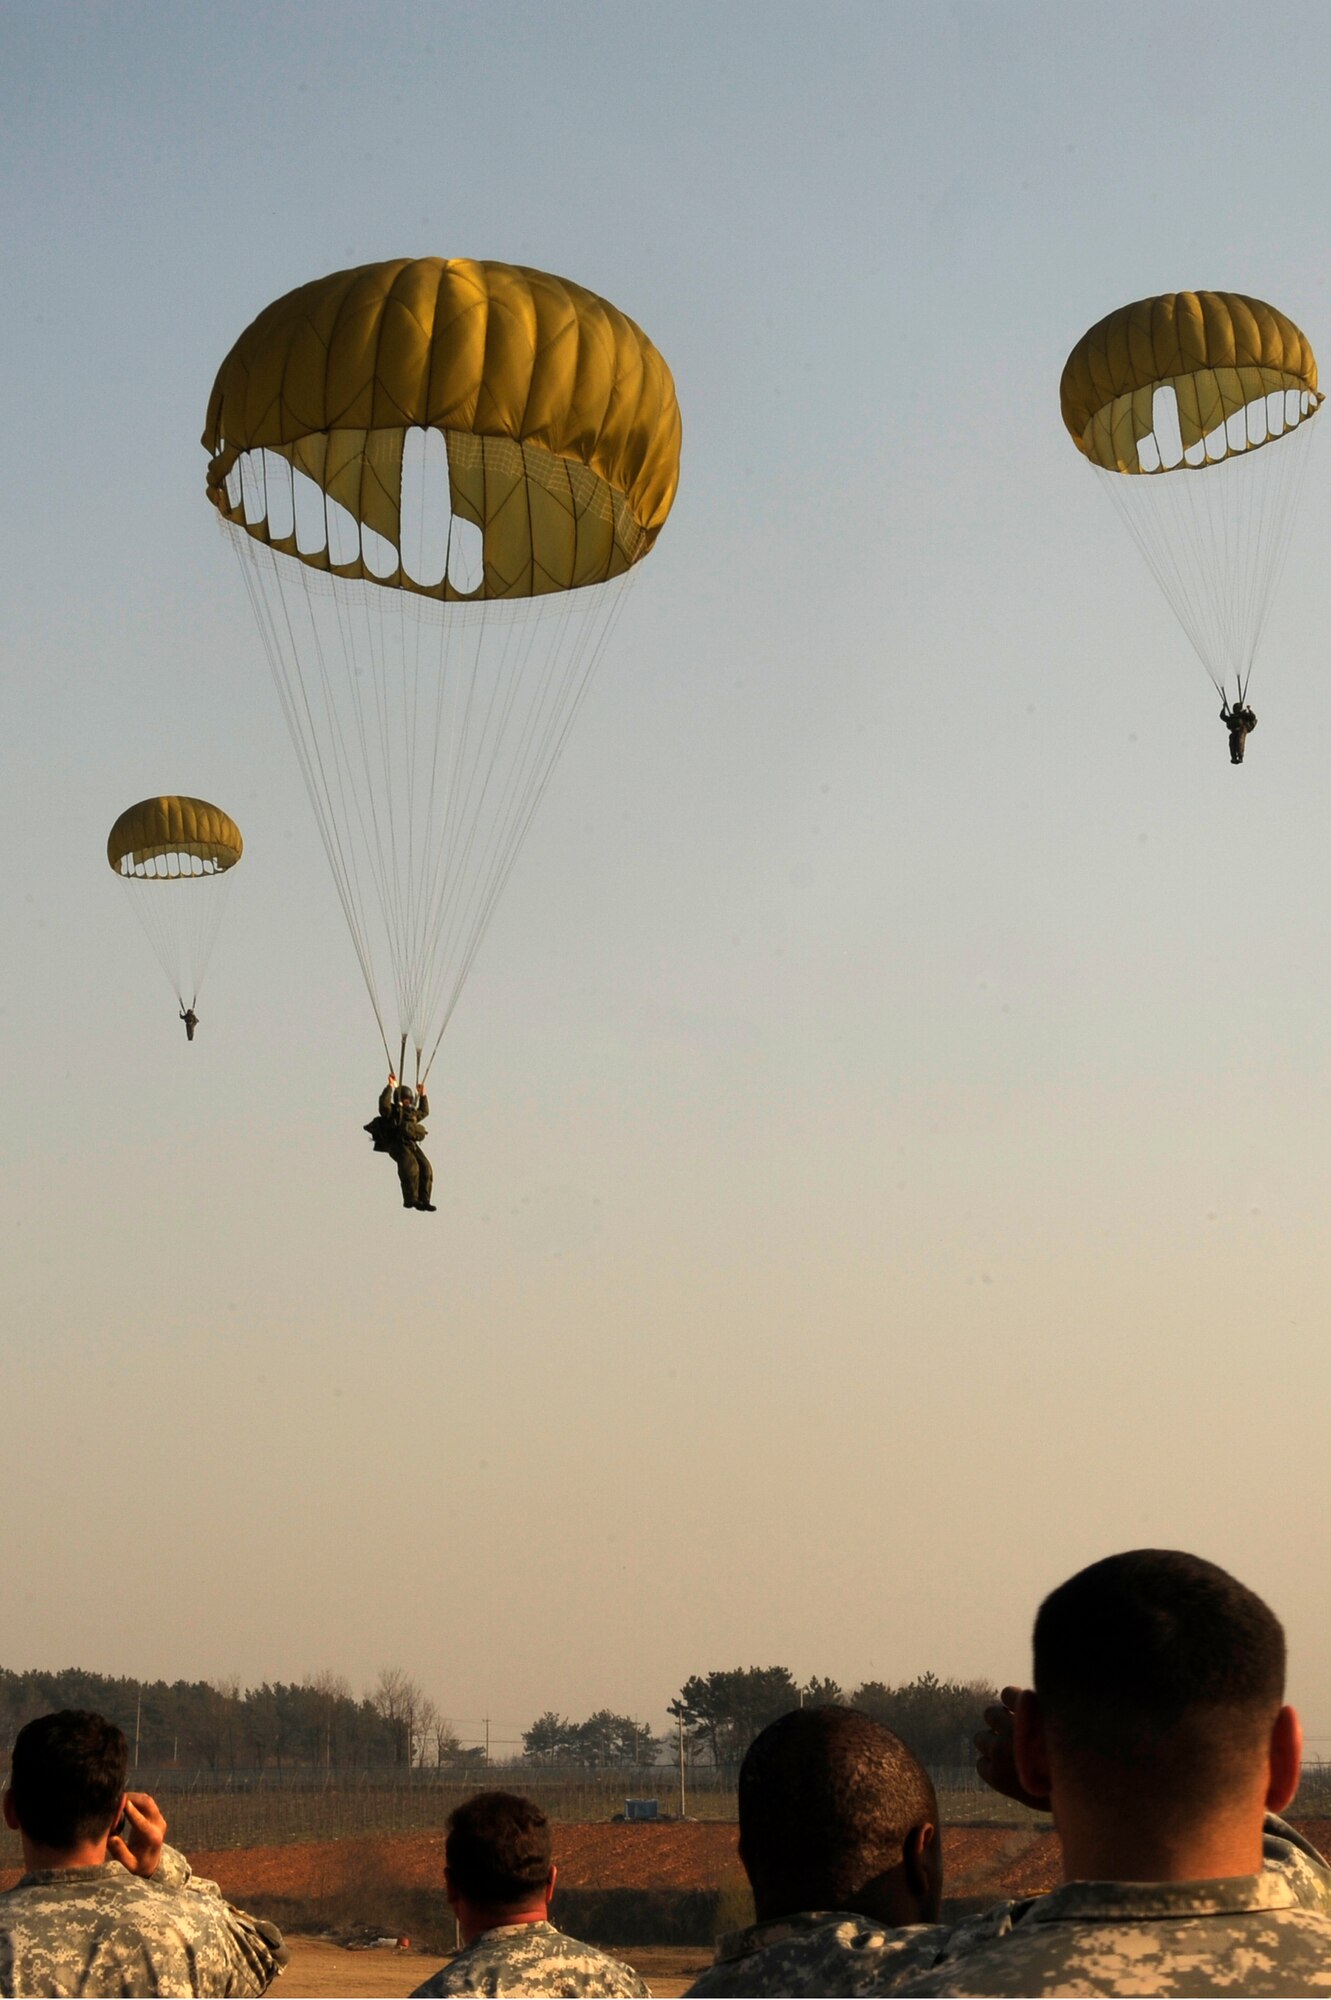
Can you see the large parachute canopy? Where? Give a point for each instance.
(1194, 408)
(176, 856)
(437, 474)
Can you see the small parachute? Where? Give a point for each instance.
(1203, 400)
(175, 856)
(437, 475)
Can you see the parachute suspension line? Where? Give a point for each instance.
(590, 643)
(180, 911)
(259, 567)
(294, 693)
(426, 732)
(1215, 536)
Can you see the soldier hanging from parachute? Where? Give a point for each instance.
(397, 1130)
(1194, 410)
(175, 856)
(473, 457)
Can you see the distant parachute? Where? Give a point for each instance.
(1204, 397)
(437, 474)
(176, 855)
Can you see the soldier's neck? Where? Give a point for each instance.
(1096, 1849)
(87, 1854)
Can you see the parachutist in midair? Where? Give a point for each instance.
(1240, 722)
(191, 1020)
(398, 1131)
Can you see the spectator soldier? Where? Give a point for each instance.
(1156, 1733)
(499, 1878)
(103, 1912)
(838, 1833)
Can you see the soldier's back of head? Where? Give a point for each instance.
(499, 1871)
(1156, 1727)
(838, 1833)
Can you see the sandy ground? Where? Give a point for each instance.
(319, 1969)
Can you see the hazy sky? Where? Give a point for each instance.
(883, 1153)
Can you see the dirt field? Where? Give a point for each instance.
(688, 1854)
(988, 1861)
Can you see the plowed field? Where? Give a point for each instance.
(690, 1854)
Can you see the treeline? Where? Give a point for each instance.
(218, 1726)
(720, 1713)
(319, 1725)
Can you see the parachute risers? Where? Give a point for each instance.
(176, 856)
(1220, 387)
(438, 475)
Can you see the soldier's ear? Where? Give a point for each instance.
(550, 1884)
(1284, 1757)
(922, 1854)
(1030, 1750)
(7, 1808)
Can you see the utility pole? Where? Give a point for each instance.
(680, 1720)
(487, 1742)
(138, 1712)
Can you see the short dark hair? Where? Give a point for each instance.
(1156, 1669)
(498, 1849)
(66, 1777)
(827, 1797)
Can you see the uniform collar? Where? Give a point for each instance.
(775, 1930)
(102, 1871)
(1134, 1902)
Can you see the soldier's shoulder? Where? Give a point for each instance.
(842, 1954)
(1282, 1951)
(534, 1959)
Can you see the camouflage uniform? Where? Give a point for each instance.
(105, 1931)
(836, 1952)
(1267, 1933)
(533, 1958)
(821, 1951)
(1240, 722)
(403, 1128)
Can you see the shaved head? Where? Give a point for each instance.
(828, 1801)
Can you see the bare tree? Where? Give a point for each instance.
(397, 1698)
(328, 1691)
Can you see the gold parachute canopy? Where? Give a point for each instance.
(556, 413)
(168, 837)
(1237, 373)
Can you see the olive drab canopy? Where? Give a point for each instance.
(169, 837)
(438, 475)
(559, 416)
(176, 855)
(1218, 387)
(1217, 351)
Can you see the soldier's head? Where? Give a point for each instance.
(1159, 1684)
(835, 1813)
(67, 1779)
(497, 1863)
(403, 1093)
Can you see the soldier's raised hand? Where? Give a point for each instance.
(994, 1760)
(145, 1835)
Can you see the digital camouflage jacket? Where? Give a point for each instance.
(103, 1931)
(836, 1952)
(533, 1958)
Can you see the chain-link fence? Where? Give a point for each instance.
(206, 1812)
